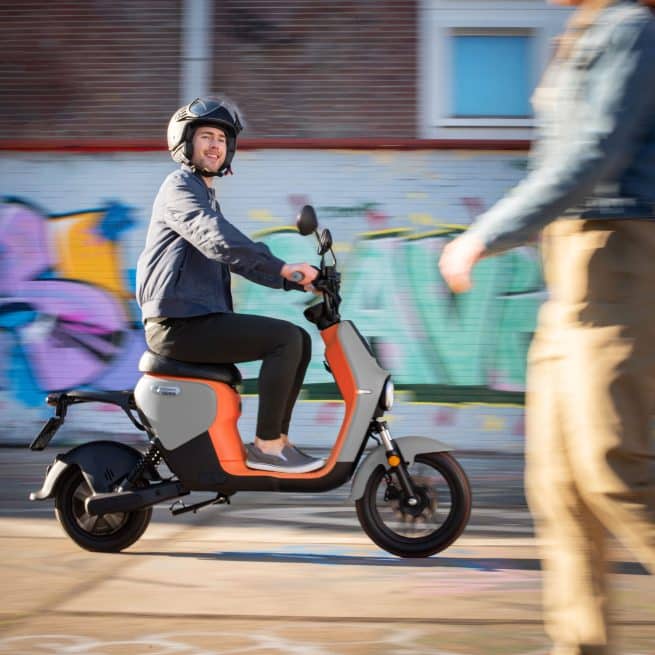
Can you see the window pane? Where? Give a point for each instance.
(491, 75)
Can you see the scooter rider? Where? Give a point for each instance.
(183, 281)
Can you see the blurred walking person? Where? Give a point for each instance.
(590, 461)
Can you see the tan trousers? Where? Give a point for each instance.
(590, 460)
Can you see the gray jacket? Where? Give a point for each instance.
(184, 269)
(595, 154)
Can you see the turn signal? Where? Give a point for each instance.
(393, 460)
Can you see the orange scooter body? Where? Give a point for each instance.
(195, 420)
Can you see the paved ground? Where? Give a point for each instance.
(286, 574)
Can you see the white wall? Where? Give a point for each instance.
(68, 256)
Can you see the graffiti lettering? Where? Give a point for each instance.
(67, 314)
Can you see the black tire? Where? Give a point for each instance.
(109, 533)
(439, 519)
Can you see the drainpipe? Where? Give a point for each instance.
(196, 62)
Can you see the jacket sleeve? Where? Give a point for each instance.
(260, 277)
(275, 282)
(192, 217)
(620, 108)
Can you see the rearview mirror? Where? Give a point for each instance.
(307, 221)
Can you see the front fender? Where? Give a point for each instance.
(409, 447)
(103, 463)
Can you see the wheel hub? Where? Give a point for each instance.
(422, 500)
(105, 524)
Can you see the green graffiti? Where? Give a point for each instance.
(520, 301)
(356, 210)
(376, 297)
(422, 333)
(460, 328)
(479, 338)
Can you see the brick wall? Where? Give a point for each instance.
(301, 68)
(298, 68)
(88, 70)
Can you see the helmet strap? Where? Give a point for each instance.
(225, 171)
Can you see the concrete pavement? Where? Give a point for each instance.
(205, 587)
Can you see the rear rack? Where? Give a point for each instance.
(62, 400)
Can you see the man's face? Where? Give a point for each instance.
(209, 148)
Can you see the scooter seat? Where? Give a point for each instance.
(157, 365)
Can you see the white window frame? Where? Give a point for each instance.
(439, 20)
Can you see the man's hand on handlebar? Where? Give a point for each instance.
(302, 274)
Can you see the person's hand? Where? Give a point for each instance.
(458, 259)
(302, 273)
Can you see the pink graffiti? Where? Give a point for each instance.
(78, 330)
(24, 251)
(72, 330)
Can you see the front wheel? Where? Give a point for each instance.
(108, 533)
(434, 523)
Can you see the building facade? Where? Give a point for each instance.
(399, 121)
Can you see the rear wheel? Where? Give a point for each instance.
(109, 533)
(428, 527)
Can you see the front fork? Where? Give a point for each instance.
(396, 462)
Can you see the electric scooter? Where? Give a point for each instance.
(411, 496)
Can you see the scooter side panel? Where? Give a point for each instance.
(369, 379)
(410, 447)
(178, 410)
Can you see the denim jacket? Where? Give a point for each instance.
(184, 269)
(594, 156)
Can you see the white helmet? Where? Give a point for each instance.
(212, 110)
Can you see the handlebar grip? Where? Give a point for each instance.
(297, 276)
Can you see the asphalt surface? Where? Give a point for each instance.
(287, 573)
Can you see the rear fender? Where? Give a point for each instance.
(102, 463)
(54, 472)
(408, 446)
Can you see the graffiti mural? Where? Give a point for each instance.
(64, 303)
(68, 316)
(429, 338)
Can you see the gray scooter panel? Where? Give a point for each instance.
(177, 410)
(369, 381)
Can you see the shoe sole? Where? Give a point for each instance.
(306, 468)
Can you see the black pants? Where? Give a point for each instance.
(284, 348)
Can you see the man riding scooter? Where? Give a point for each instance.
(183, 281)
(412, 497)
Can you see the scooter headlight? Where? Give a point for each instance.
(386, 400)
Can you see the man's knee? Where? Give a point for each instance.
(294, 341)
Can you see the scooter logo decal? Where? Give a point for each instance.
(165, 391)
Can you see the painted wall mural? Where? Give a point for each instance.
(68, 317)
(439, 345)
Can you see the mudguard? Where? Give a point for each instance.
(103, 463)
(409, 447)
